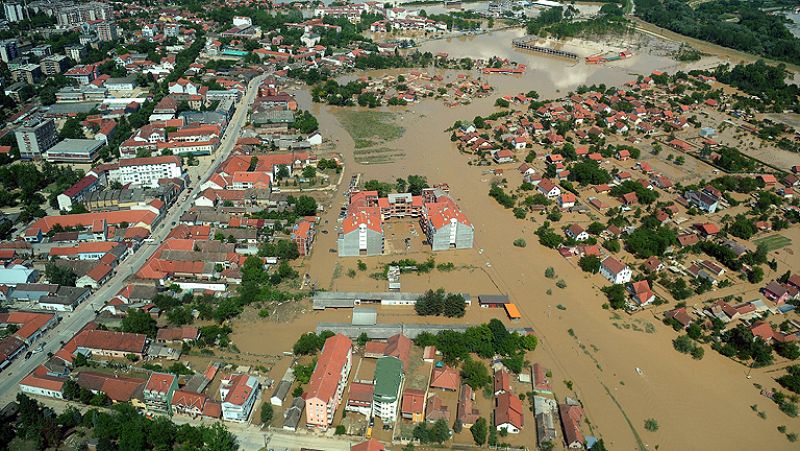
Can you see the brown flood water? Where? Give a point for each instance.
(699, 405)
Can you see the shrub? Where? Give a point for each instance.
(651, 425)
(519, 242)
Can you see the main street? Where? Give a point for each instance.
(74, 321)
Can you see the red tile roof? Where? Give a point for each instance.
(509, 411)
(445, 378)
(571, 417)
(111, 341)
(326, 375)
(413, 401)
(369, 445)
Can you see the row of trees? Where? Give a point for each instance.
(754, 30)
(437, 303)
(121, 427)
(486, 340)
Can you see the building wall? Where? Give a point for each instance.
(36, 391)
(348, 244)
(447, 238)
(145, 175)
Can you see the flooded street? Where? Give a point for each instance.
(698, 404)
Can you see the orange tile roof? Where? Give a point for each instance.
(112, 341)
(413, 401)
(443, 211)
(445, 378)
(159, 382)
(239, 391)
(327, 373)
(39, 378)
(132, 217)
(28, 322)
(509, 410)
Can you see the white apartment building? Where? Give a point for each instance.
(238, 393)
(146, 171)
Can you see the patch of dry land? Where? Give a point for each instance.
(699, 405)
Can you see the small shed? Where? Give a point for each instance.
(280, 393)
(492, 300)
(365, 316)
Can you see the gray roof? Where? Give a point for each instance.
(76, 146)
(492, 299)
(282, 390)
(119, 80)
(365, 316)
(273, 117)
(384, 331)
(293, 413)
(77, 107)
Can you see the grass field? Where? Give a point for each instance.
(377, 155)
(773, 242)
(370, 128)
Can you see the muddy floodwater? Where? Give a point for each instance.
(624, 369)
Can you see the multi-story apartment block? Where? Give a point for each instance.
(14, 11)
(328, 381)
(238, 393)
(107, 31)
(54, 64)
(159, 390)
(388, 381)
(36, 137)
(75, 52)
(8, 50)
(146, 171)
(71, 15)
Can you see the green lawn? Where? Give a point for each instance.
(370, 128)
(774, 242)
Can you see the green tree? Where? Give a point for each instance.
(60, 275)
(266, 413)
(305, 206)
(616, 295)
(479, 431)
(139, 322)
(440, 432)
(454, 306)
(475, 374)
(590, 263)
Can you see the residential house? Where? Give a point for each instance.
(571, 417)
(238, 393)
(508, 413)
(159, 390)
(445, 378)
(615, 271)
(413, 405)
(467, 413)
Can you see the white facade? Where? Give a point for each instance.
(14, 11)
(37, 391)
(616, 277)
(145, 174)
(236, 409)
(510, 428)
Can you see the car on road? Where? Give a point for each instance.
(325, 232)
(332, 250)
(28, 355)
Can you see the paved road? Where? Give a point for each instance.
(73, 322)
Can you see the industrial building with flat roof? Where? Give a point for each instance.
(74, 151)
(350, 299)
